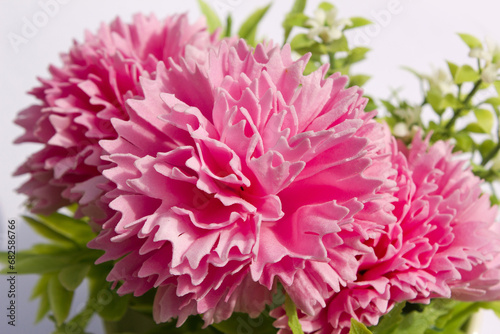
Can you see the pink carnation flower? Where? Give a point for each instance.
(240, 173)
(82, 96)
(440, 246)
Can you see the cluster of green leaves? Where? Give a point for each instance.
(248, 29)
(441, 316)
(66, 262)
(63, 264)
(337, 53)
(465, 112)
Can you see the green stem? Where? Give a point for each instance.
(229, 25)
(293, 318)
(331, 59)
(465, 103)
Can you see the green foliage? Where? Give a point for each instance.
(466, 73)
(484, 119)
(358, 80)
(295, 18)
(59, 299)
(74, 230)
(358, 22)
(337, 53)
(72, 276)
(293, 318)
(418, 322)
(358, 328)
(471, 41)
(213, 21)
(229, 26)
(326, 6)
(458, 95)
(497, 86)
(65, 262)
(356, 55)
(390, 322)
(417, 319)
(241, 322)
(248, 29)
(441, 316)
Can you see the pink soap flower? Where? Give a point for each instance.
(83, 95)
(240, 173)
(441, 245)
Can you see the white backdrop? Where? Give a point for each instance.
(421, 34)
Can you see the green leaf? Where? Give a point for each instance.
(358, 80)
(497, 86)
(485, 119)
(454, 319)
(412, 71)
(471, 41)
(297, 8)
(486, 147)
(494, 201)
(494, 101)
(388, 105)
(337, 45)
(301, 41)
(46, 231)
(105, 301)
(40, 287)
(315, 48)
(435, 99)
(248, 29)
(76, 230)
(464, 142)
(418, 322)
(229, 25)
(358, 22)
(494, 306)
(310, 67)
(59, 299)
(326, 6)
(48, 249)
(43, 307)
(295, 20)
(390, 322)
(474, 128)
(4, 258)
(213, 21)
(484, 85)
(355, 55)
(71, 277)
(293, 318)
(371, 105)
(358, 328)
(450, 101)
(453, 69)
(466, 73)
(40, 264)
(114, 306)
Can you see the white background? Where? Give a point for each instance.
(422, 35)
